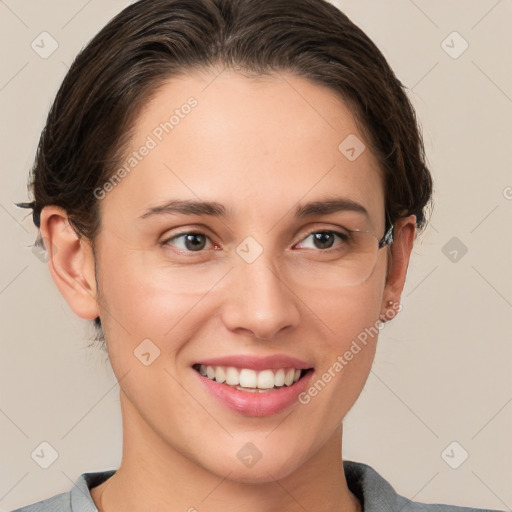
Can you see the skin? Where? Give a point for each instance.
(260, 147)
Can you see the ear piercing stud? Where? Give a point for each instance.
(392, 304)
(388, 315)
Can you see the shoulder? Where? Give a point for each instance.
(78, 499)
(59, 503)
(376, 494)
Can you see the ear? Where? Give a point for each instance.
(71, 262)
(403, 240)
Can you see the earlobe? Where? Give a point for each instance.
(70, 261)
(404, 234)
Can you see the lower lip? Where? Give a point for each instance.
(255, 403)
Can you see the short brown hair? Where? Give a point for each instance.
(119, 70)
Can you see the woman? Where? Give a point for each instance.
(231, 191)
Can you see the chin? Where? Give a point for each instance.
(244, 470)
(262, 475)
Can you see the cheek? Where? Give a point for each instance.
(348, 320)
(142, 301)
(148, 323)
(348, 311)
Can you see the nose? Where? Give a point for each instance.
(260, 302)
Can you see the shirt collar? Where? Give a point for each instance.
(374, 493)
(81, 500)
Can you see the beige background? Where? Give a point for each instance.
(443, 367)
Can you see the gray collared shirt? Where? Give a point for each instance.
(372, 490)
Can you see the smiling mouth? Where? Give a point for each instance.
(246, 379)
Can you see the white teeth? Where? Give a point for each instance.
(288, 379)
(266, 380)
(232, 376)
(279, 378)
(210, 372)
(220, 374)
(250, 379)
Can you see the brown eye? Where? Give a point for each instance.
(193, 242)
(324, 239)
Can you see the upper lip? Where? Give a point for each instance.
(272, 362)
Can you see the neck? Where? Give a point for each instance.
(154, 475)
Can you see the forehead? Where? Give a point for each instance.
(259, 145)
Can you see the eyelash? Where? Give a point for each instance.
(342, 236)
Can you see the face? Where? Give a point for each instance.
(229, 285)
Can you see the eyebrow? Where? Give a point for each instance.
(188, 207)
(214, 209)
(330, 206)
